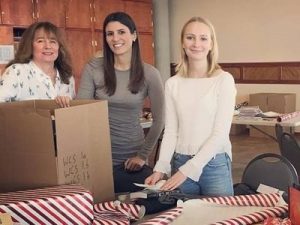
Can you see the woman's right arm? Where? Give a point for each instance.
(169, 141)
(87, 85)
(163, 165)
(9, 85)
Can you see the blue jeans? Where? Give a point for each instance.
(123, 179)
(215, 180)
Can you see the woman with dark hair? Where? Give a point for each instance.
(121, 78)
(41, 68)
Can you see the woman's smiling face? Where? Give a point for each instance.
(119, 38)
(45, 47)
(197, 41)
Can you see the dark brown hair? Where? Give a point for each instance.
(25, 50)
(136, 68)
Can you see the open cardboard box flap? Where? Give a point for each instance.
(37, 151)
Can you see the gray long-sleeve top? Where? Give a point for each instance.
(127, 136)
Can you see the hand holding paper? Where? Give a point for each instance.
(154, 187)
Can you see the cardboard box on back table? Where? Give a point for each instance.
(276, 102)
(37, 151)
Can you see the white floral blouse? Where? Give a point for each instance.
(27, 81)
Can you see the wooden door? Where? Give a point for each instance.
(79, 13)
(17, 12)
(97, 43)
(101, 10)
(6, 38)
(147, 48)
(80, 46)
(52, 11)
(141, 12)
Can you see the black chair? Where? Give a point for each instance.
(278, 132)
(270, 169)
(290, 149)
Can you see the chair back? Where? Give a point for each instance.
(290, 149)
(272, 170)
(278, 132)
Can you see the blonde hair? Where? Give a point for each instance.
(212, 57)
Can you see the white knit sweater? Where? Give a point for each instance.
(198, 119)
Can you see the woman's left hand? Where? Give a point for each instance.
(63, 101)
(174, 181)
(134, 163)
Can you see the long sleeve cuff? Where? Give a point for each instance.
(191, 171)
(163, 167)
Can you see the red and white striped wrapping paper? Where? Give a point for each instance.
(287, 116)
(277, 221)
(165, 217)
(265, 200)
(59, 205)
(116, 213)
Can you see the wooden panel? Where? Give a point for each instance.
(102, 10)
(17, 12)
(261, 73)
(146, 1)
(267, 72)
(291, 73)
(98, 46)
(80, 45)
(6, 36)
(141, 12)
(45, 9)
(234, 71)
(146, 45)
(78, 14)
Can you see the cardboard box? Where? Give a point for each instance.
(66, 204)
(237, 129)
(276, 102)
(37, 151)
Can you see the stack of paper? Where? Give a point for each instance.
(149, 191)
(249, 111)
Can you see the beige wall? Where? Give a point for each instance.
(247, 31)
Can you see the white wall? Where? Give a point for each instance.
(247, 31)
